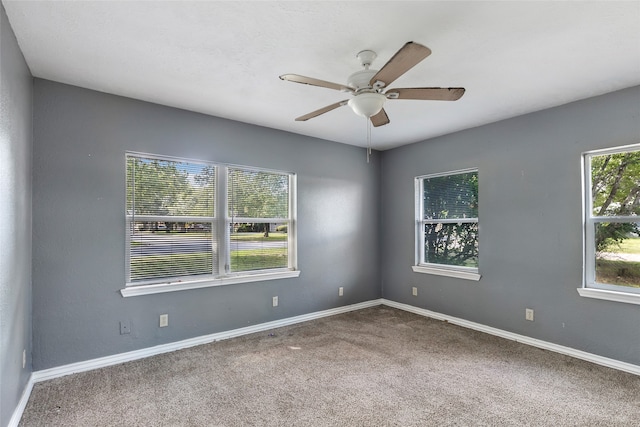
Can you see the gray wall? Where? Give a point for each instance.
(530, 213)
(80, 139)
(354, 227)
(15, 219)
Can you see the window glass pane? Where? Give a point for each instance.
(253, 194)
(258, 246)
(618, 254)
(451, 196)
(615, 184)
(451, 244)
(170, 249)
(161, 187)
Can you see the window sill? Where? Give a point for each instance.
(459, 274)
(133, 290)
(610, 295)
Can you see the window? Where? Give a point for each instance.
(447, 224)
(194, 224)
(258, 206)
(612, 225)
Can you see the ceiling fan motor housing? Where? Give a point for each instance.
(360, 79)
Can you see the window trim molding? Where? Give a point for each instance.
(440, 271)
(604, 294)
(590, 288)
(157, 288)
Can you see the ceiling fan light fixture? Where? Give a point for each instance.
(367, 104)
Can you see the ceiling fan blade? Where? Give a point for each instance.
(380, 119)
(427, 93)
(408, 56)
(321, 111)
(296, 78)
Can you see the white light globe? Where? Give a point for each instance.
(367, 104)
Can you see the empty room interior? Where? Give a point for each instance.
(320, 213)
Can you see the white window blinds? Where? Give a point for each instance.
(170, 216)
(190, 220)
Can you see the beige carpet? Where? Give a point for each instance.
(373, 367)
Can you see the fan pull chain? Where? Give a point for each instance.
(368, 139)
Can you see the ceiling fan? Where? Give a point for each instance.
(369, 87)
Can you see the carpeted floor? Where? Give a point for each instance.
(373, 367)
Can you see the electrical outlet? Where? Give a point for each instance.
(275, 301)
(340, 291)
(414, 291)
(125, 327)
(528, 314)
(24, 358)
(164, 320)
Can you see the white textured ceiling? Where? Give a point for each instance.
(224, 58)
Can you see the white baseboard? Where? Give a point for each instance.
(102, 362)
(17, 413)
(60, 371)
(578, 354)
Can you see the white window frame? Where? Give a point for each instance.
(224, 212)
(460, 272)
(590, 288)
(220, 226)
